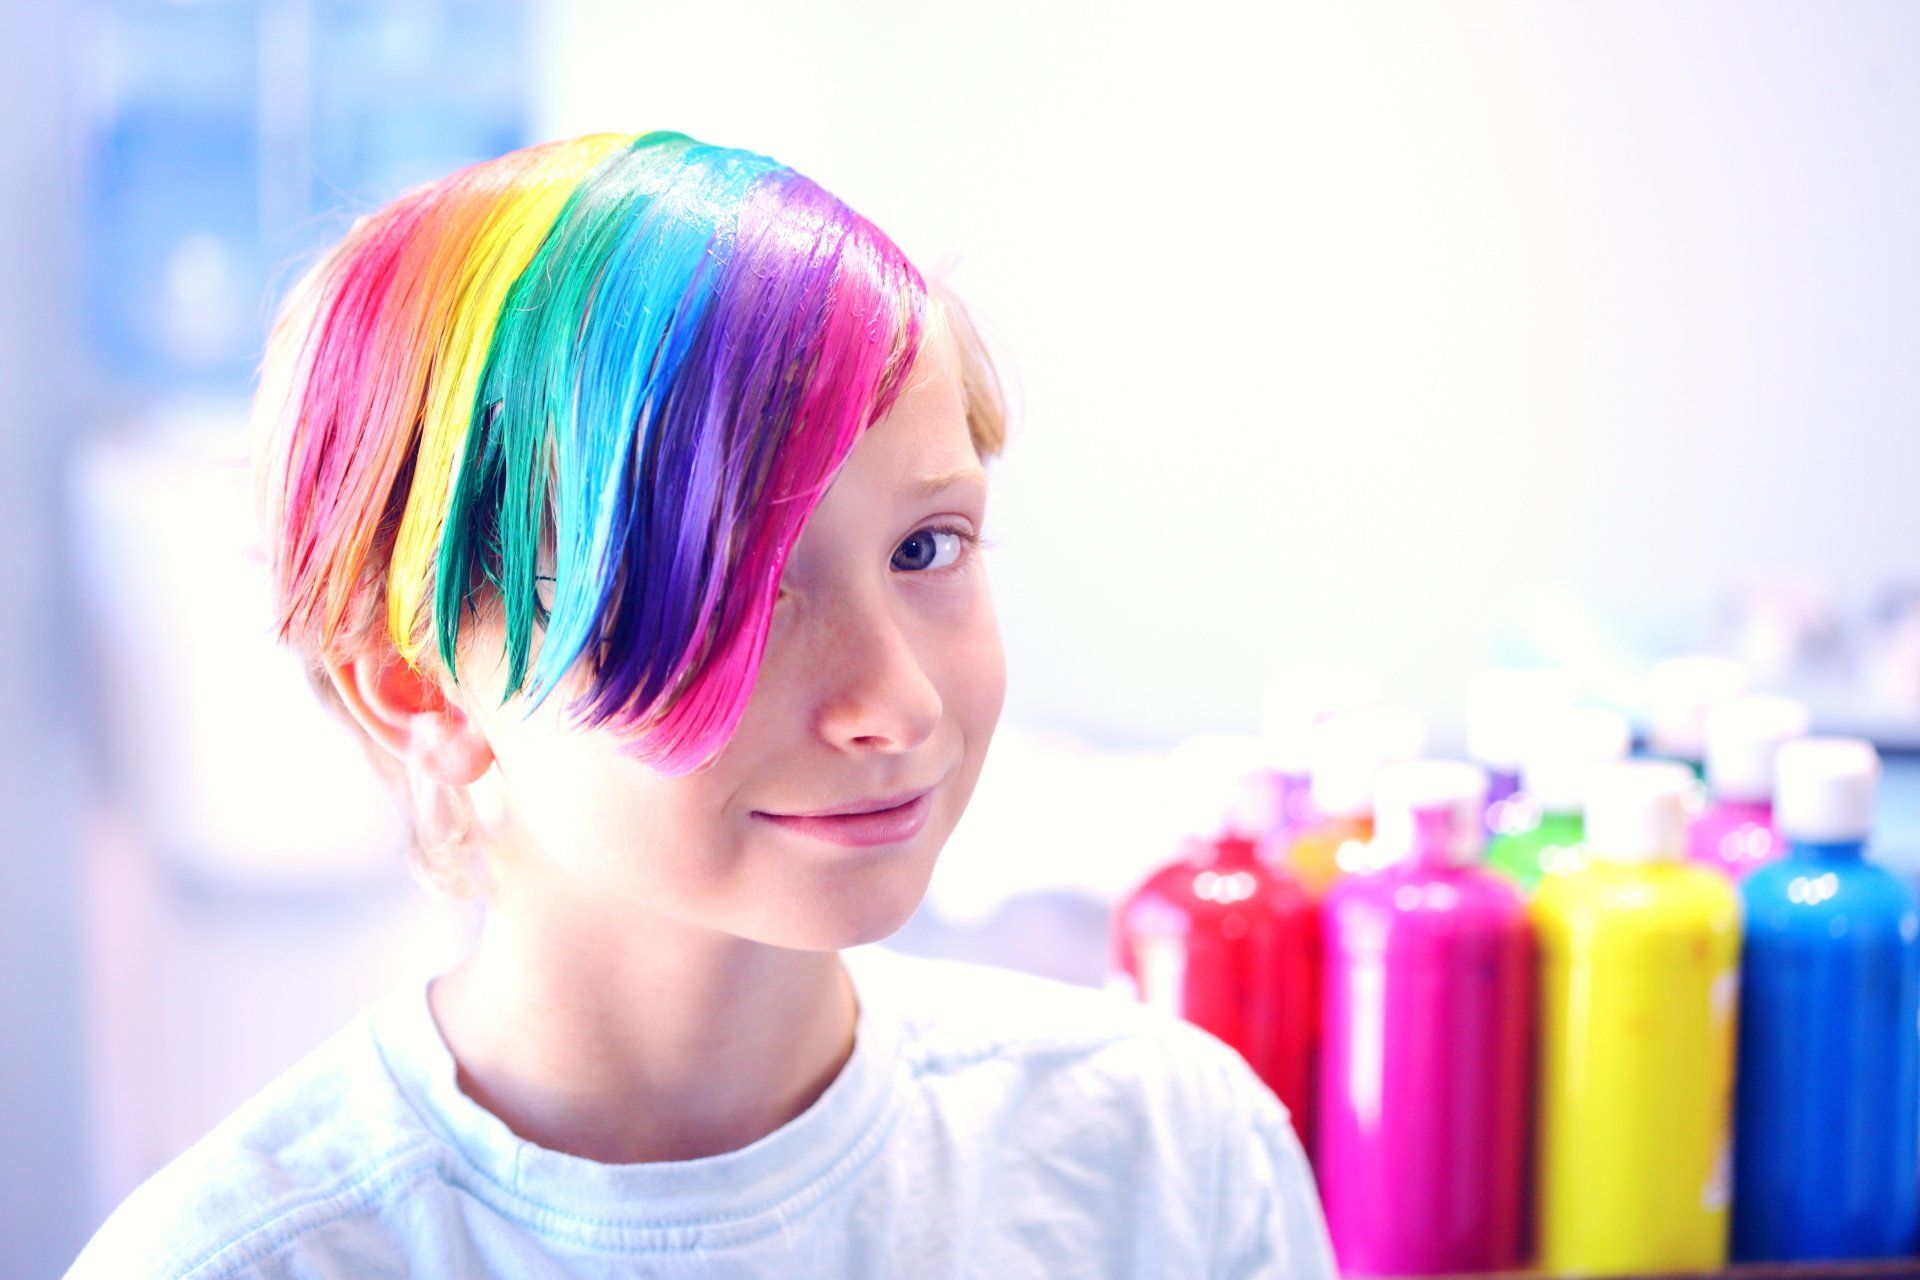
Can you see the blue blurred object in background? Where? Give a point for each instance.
(167, 171)
(223, 142)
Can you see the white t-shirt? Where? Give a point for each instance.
(987, 1123)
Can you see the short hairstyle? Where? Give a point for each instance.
(594, 387)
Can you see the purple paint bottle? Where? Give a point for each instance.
(1736, 831)
(1505, 706)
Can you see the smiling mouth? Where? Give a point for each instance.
(860, 808)
(892, 825)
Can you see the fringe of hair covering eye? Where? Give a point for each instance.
(606, 380)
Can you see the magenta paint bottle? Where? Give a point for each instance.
(1424, 1112)
(1736, 832)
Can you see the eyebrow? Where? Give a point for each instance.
(927, 486)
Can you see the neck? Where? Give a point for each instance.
(605, 1031)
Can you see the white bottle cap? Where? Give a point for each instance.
(1679, 691)
(1504, 708)
(1211, 786)
(1743, 734)
(1566, 746)
(1348, 750)
(1824, 789)
(1299, 698)
(1637, 810)
(1451, 797)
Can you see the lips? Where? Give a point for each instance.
(901, 819)
(875, 805)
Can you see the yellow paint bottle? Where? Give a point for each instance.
(1639, 956)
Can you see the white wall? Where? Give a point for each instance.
(1368, 331)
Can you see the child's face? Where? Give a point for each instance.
(883, 674)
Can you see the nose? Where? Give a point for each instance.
(879, 695)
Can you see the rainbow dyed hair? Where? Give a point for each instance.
(600, 385)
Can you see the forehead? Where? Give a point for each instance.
(926, 428)
(924, 435)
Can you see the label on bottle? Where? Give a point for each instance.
(1725, 995)
(1717, 1194)
(1724, 1004)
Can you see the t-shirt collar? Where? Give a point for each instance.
(839, 1131)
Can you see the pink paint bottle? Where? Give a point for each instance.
(1735, 832)
(1426, 1040)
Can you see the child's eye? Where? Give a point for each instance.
(937, 550)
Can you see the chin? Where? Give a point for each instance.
(869, 905)
(836, 933)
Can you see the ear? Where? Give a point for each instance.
(409, 713)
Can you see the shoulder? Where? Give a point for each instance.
(1118, 1095)
(327, 1139)
(1038, 1036)
(958, 1009)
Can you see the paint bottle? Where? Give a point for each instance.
(1735, 832)
(1504, 708)
(1426, 1040)
(1224, 939)
(1542, 828)
(1347, 751)
(1825, 1158)
(1679, 693)
(1290, 706)
(1639, 955)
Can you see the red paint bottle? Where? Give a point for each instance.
(1232, 944)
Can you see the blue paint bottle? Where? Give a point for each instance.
(1827, 1139)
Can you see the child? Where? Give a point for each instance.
(625, 494)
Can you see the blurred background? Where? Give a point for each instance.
(1420, 338)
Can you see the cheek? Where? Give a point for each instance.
(563, 798)
(608, 821)
(973, 666)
